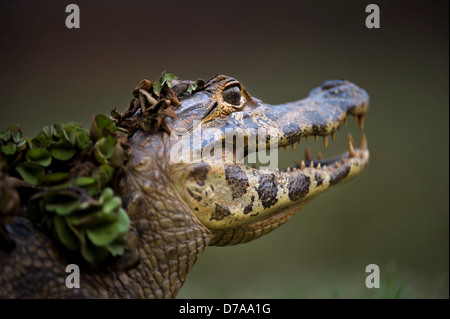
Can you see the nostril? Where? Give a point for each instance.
(332, 84)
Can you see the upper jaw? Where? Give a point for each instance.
(322, 113)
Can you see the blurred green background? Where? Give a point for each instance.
(396, 215)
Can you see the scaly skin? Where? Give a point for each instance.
(178, 209)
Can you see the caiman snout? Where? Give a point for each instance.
(233, 199)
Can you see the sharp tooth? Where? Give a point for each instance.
(288, 169)
(285, 148)
(306, 138)
(311, 165)
(361, 119)
(307, 155)
(316, 138)
(351, 149)
(293, 146)
(300, 141)
(364, 141)
(333, 135)
(297, 163)
(351, 146)
(318, 166)
(336, 165)
(345, 121)
(350, 139)
(319, 156)
(324, 167)
(303, 165)
(294, 169)
(325, 141)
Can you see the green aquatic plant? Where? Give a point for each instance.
(63, 178)
(70, 170)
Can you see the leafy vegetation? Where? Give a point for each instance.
(68, 171)
(71, 169)
(165, 79)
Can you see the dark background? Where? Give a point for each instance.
(395, 215)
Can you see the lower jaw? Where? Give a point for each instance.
(360, 154)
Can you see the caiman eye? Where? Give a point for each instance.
(232, 95)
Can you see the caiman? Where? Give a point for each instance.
(177, 209)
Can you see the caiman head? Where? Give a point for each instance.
(191, 188)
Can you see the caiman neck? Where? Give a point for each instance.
(170, 237)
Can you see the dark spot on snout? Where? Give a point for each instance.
(319, 129)
(199, 174)
(220, 213)
(292, 132)
(319, 179)
(299, 187)
(339, 175)
(237, 180)
(268, 190)
(196, 197)
(249, 207)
